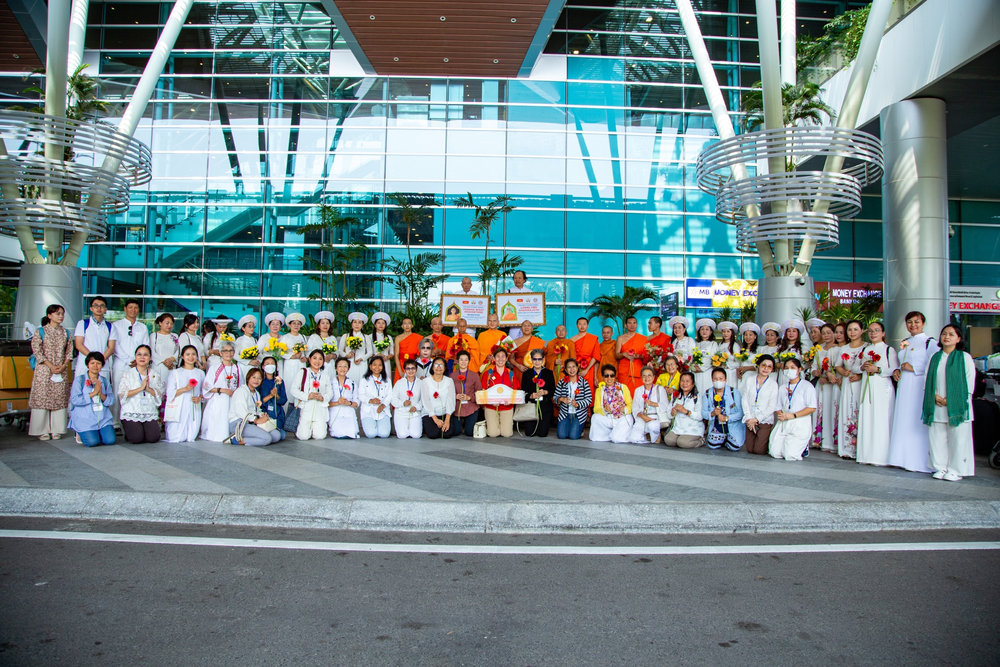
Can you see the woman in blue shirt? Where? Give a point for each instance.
(272, 393)
(90, 401)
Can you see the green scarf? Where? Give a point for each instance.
(955, 384)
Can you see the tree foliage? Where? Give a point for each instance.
(619, 307)
(801, 104)
(334, 261)
(411, 277)
(491, 271)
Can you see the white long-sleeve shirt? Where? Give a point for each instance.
(941, 384)
(691, 424)
(375, 387)
(444, 403)
(301, 395)
(243, 402)
(399, 397)
(658, 395)
(760, 401)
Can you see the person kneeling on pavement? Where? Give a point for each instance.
(790, 438)
(248, 422)
(687, 430)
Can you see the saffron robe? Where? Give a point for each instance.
(470, 345)
(520, 353)
(407, 348)
(568, 348)
(487, 340)
(587, 348)
(629, 371)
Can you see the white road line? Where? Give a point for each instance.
(302, 545)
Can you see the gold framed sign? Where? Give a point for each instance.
(473, 309)
(516, 307)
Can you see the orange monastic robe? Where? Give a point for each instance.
(520, 353)
(659, 340)
(487, 340)
(629, 371)
(567, 351)
(607, 356)
(589, 347)
(441, 342)
(471, 346)
(409, 348)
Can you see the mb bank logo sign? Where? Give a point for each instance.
(708, 293)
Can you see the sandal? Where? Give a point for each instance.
(43, 436)
(56, 436)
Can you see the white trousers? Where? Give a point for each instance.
(604, 428)
(790, 438)
(311, 428)
(951, 448)
(117, 373)
(408, 426)
(641, 429)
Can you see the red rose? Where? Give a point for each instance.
(645, 395)
(192, 382)
(435, 394)
(315, 384)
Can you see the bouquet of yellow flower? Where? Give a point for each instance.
(719, 359)
(355, 342)
(811, 354)
(785, 356)
(275, 345)
(697, 357)
(741, 356)
(756, 359)
(329, 348)
(227, 336)
(249, 354)
(298, 348)
(381, 346)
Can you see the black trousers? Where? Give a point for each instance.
(538, 428)
(431, 430)
(140, 432)
(467, 425)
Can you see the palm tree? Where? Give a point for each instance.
(482, 224)
(801, 104)
(334, 260)
(618, 308)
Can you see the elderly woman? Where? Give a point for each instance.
(612, 420)
(539, 384)
(90, 401)
(221, 382)
(49, 396)
(248, 422)
(438, 399)
(650, 408)
(140, 392)
(467, 383)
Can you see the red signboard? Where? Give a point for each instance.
(847, 293)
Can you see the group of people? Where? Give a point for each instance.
(774, 389)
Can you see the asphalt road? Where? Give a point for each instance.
(109, 603)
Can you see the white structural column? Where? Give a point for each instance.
(57, 42)
(915, 214)
(137, 106)
(878, 16)
(717, 104)
(77, 35)
(788, 38)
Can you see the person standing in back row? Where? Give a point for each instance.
(128, 334)
(520, 278)
(94, 335)
(909, 443)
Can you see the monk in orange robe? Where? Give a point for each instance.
(407, 346)
(629, 352)
(658, 339)
(525, 344)
(558, 350)
(607, 347)
(488, 339)
(440, 340)
(588, 352)
(463, 341)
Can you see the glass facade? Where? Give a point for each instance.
(251, 133)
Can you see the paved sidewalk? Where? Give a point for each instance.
(519, 484)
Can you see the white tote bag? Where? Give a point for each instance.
(172, 412)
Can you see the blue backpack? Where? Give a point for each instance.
(31, 360)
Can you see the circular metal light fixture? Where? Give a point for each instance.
(371, 18)
(395, 60)
(513, 20)
(495, 61)
(446, 60)
(444, 18)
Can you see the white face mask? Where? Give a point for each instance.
(791, 373)
(719, 384)
(270, 368)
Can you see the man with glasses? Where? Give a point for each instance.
(127, 335)
(94, 335)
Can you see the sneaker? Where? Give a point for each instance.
(951, 476)
(805, 454)
(939, 474)
(233, 441)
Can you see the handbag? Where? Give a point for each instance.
(479, 430)
(172, 411)
(526, 412)
(238, 433)
(269, 425)
(292, 420)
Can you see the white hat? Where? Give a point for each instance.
(292, 317)
(221, 320)
(358, 316)
(749, 326)
(788, 324)
(270, 317)
(704, 322)
(678, 319)
(728, 325)
(382, 316)
(324, 315)
(815, 322)
(771, 326)
(245, 319)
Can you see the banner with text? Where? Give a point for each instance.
(473, 309)
(710, 293)
(520, 306)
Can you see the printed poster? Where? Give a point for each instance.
(473, 309)
(515, 308)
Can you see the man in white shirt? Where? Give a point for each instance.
(94, 335)
(520, 277)
(127, 334)
(467, 291)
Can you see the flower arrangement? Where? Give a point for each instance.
(298, 348)
(249, 353)
(227, 336)
(275, 345)
(697, 357)
(382, 345)
(656, 356)
(742, 356)
(825, 368)
(719, 359)
(506, 344)
(756, 359)
(329, 348)
(354, 342)
(811, 353)
(786, 356)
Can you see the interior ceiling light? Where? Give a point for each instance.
(575, 52)
(444, 18)
(446, 60)
(371, 18)
(495, 61)
(513, 20)
(649, 19)
(395, 60)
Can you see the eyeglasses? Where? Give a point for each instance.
(609, 375)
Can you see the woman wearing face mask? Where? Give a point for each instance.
(687, 428)
(683, 344)
(538, 384)
(772, 339)
(294, 357)
(408, 411)
(722, 410)
(190, 336)
(247, 418)
(184, 388)
(650, 409)
(612, 420)
(53, 349)
(760, 402)
(849, 370)
(438, 399)
(272, 394)
(790, 438)
(947, 410)
(877, 398)
(376, 399)
(140, 392)
(827, 391)
(312, 393)
(221, 381)
(750, 333)
(573, 397)
(343, 418)
(731, 348)
(265, 344)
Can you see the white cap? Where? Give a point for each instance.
(815, 322)
(270, 317)
(221, 320)
(771, 326)
(324, 315)
(728, 325)
(295, 316)
(788, 324)
(247, 318)
(749, 326)
(358, 316)
(704, 322)
(382, 316)
(678, 319)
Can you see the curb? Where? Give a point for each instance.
(540, 517)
